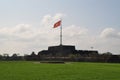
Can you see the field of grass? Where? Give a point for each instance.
(69, 71)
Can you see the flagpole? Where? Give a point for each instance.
(61, 33)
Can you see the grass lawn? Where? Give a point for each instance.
(23, 70)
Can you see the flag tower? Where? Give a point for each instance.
(61, 34)
(59, 24)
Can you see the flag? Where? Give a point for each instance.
(57, 24)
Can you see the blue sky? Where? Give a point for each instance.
(81, 12)
(95, 17)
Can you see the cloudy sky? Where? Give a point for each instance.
(27, 25)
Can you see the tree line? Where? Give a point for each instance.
(104, 57)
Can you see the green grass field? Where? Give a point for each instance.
(69, 71)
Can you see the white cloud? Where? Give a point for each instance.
(58, 16)
(108, 41)
(23, 31)
(49, 20)
(46, 19)
(25, 38)
(74, 34)
(109, 33)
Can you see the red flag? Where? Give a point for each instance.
(57, 24)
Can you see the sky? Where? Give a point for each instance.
(27, 25)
